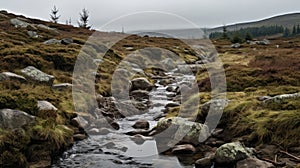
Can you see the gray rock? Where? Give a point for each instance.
(32, 34)
(263, 98)
(184, 149)
(62, 86)
(141, 83)
(19, 23)
(46, 106)
(236, 45)
(280, 98)
(141, 124)
(52, 41)
(37, 75)
(168, 63)
(96, 131)
(230, 153)
(11, 76)
(11, 119)
(180, 130)
(139, 139)
(46, 27)
(253, 163)
(66, 41)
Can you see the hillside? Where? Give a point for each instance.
(46, 109)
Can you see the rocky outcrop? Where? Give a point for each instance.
(37, 75)
(52, 41)
(11, 119)
(230, 153)
(280, 98)
(32, 34)
(11, 76)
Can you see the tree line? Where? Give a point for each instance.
(83, 19)
(245, 34)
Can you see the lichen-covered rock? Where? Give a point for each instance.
(11, 76)
(182, 130)
(45, 105)
(230, 153)
(46, 110)
(37, 75)
(12, 119)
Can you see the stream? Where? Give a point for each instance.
(117, 149)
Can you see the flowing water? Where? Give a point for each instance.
(119, 150)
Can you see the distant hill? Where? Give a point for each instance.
(286, 20)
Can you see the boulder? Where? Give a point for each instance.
(173, 104)
(46, 110)
(12, 119)
(141, 83)
(79, 137)
(213, 108)
(32, 34)
(280, 98)
(184, 149)
(37, 75)
(141, 124)
(66, 41)
(168, 63)
(230, 153)
(19, 23)
(180, 130)
(236, 45)
(62, 86)
(11, 76)
(253, 163)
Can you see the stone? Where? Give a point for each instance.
(171, 89)
(168, 63)
(96, 131)
(140, 94)
(79, 122)
(46, 110)
(52, 41)
(173, 104)
(141, 124)
(79, 137)
(184, 149)
(32, 34)
(253, 163)
(236, 45)
(12, 119)
(280, 98)
(11, 76)
(204, 163)
(138, 139)
(214, 108)
(141, 83)
(37, 75)
(230, 153)
(62, 86)
(46, 27)
(19, 23)
(180, 130)
(66, 41)
(263, 98)
(46, 106)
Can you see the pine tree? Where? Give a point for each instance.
(298, 29)
(236, 38)
(224, 35)
(54, 15)
(294, 30)
(248, 36)
(286, 33)
(84, 18)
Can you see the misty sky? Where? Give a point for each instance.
(203, 13)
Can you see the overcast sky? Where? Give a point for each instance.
(203, 13)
